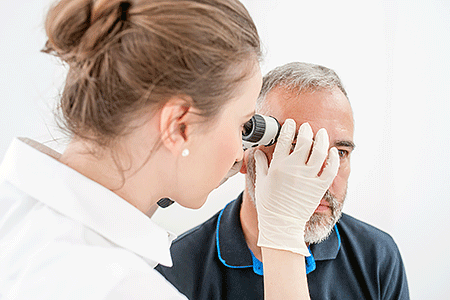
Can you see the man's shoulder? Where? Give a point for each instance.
(367, 237)
(359, 227)
(370, 250)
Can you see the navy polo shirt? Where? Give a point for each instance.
(357, 261)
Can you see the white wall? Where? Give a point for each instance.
(393, 57)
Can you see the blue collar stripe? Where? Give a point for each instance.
(257, 265)
(310, 262)
(338, 236)
(218, 245)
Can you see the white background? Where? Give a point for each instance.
(393, 57)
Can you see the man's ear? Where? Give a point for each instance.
(174, 124)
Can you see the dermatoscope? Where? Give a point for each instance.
(258, 131)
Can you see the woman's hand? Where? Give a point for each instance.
(289, 191)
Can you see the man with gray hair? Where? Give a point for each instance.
(350, 259)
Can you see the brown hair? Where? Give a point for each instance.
(128, 56)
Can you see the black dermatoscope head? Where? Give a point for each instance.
(260, 130)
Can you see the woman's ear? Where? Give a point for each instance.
(174, 124)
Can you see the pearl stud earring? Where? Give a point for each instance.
(185, 152)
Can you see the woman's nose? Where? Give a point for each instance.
(240, 154)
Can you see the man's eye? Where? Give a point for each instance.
(343, 153)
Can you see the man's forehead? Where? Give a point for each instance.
(325, 108)
(285, 101)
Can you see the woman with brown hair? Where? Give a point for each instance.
(155, 100)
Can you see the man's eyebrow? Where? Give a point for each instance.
(348, 144)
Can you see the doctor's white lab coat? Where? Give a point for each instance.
(63, 236)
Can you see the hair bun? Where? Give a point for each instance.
(79, 29)
(119, 8)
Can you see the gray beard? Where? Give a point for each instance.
(320, 225)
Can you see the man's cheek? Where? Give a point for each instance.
(339, 185)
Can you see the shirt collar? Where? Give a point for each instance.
(329, 248)
(230, 241)
(35, 169)
(233, 251)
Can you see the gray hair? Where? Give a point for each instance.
(299, 77)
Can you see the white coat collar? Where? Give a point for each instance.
(35, 169)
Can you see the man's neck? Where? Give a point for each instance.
(249, 223)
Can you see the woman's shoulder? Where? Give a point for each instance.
(68, 270)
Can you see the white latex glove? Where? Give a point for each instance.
(288, 192)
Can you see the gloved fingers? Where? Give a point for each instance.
(319, 151)
(304, 142)
(331, 169)
(261, 164)
(284, 143)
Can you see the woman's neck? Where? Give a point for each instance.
(116, 171)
